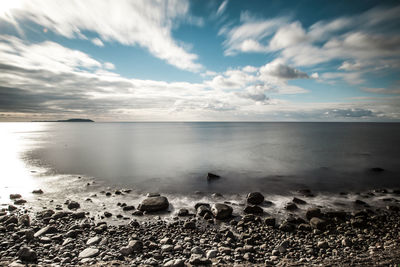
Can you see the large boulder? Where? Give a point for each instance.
(313, 212)
(156, 203)
(221, 211)
(212, 176)
(255, 198)
(73, 205)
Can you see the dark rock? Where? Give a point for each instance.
(11, 220)
(270, 221)
(189, 225)
(24, 220)
(38, 191)
(360, 202)
(183, 212)
(78, 215)
(306, 192)
(212, 176)
(107, 214)
(253, 209)
(287, 227)
(128, 208)
(203, 210)
(291, 206)
(255, 198)
(137, 213)
(152, 204)
(11, 207)
(313, 212)
(304, 227)
(19, 201)
(73, 205)
(27, 254)
(318, 223)
(299, 201)
(15, 196)
(201, 204)
(392, 208)
(221, 211)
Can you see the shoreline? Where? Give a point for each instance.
(203, 234)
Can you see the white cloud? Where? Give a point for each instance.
(144, 23)
(288, 35)
(109, 65)
(222, 8)
(279, 69)
(98, 42)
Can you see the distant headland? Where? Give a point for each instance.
(70, 120)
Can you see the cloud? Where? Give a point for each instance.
(366, 42)
(222, 8)
(98, 42)
(36, 85)
(143, 23)
(109, 65)
(278, 69)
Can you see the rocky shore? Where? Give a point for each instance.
(205, 234)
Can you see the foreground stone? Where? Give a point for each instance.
(221, 211)
(88, 253)
(255, 198)
(152, 204)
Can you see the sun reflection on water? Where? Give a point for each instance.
(15, 175)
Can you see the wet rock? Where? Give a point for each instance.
(152, 204)
(203, 210)
(128, 208)
(287, 227)
(38, 191)
(89, 253)
(318, 223)
(212, 176)
(217, 195)
(299, 201)
(304, 227)
(270, 221)
(15, 196)
(11, 220)
(78, 215)
(314, 212)
(221, 211)
(189, 225)
(196, 259)
(183, 212)
(27, 254)
(12, 207)
(107, 214)
(322, 244)
(19, 201)
(137, 213)
(306, 192)
(197, 205)
(291, 206)
(255, 198)
(253, 209)
(73, 205)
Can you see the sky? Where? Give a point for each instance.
(198, 60)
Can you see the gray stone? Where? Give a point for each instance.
(93, 241)
(151, 204)
(318, 223)
(221, 211)
(73, 205)
(255, 198)
(27, 254)
(89, 253)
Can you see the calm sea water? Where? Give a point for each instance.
(175, 157)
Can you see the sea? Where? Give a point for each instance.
(66, 159)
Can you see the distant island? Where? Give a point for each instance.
(70, 120)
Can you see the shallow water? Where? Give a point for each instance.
(175, 157)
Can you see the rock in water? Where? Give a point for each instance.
(377, 169)
(151, 204)
(221, 211)
(15, 196)
(73, 205)
(255, 198)
(39, 191)
(212, 176)
(253, 209)
(89, 253)
(27, 254)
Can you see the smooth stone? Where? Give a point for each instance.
(221, 211)
(253, 209)
(73, 205)
(314, 212)
(183, 212)
(27, 254)
(89, 253)
(291, 206)
(299, 201)
(93, 241)
(151, 204)
(318, 223)
(46, 230)
(15, 196)
(38, 191)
